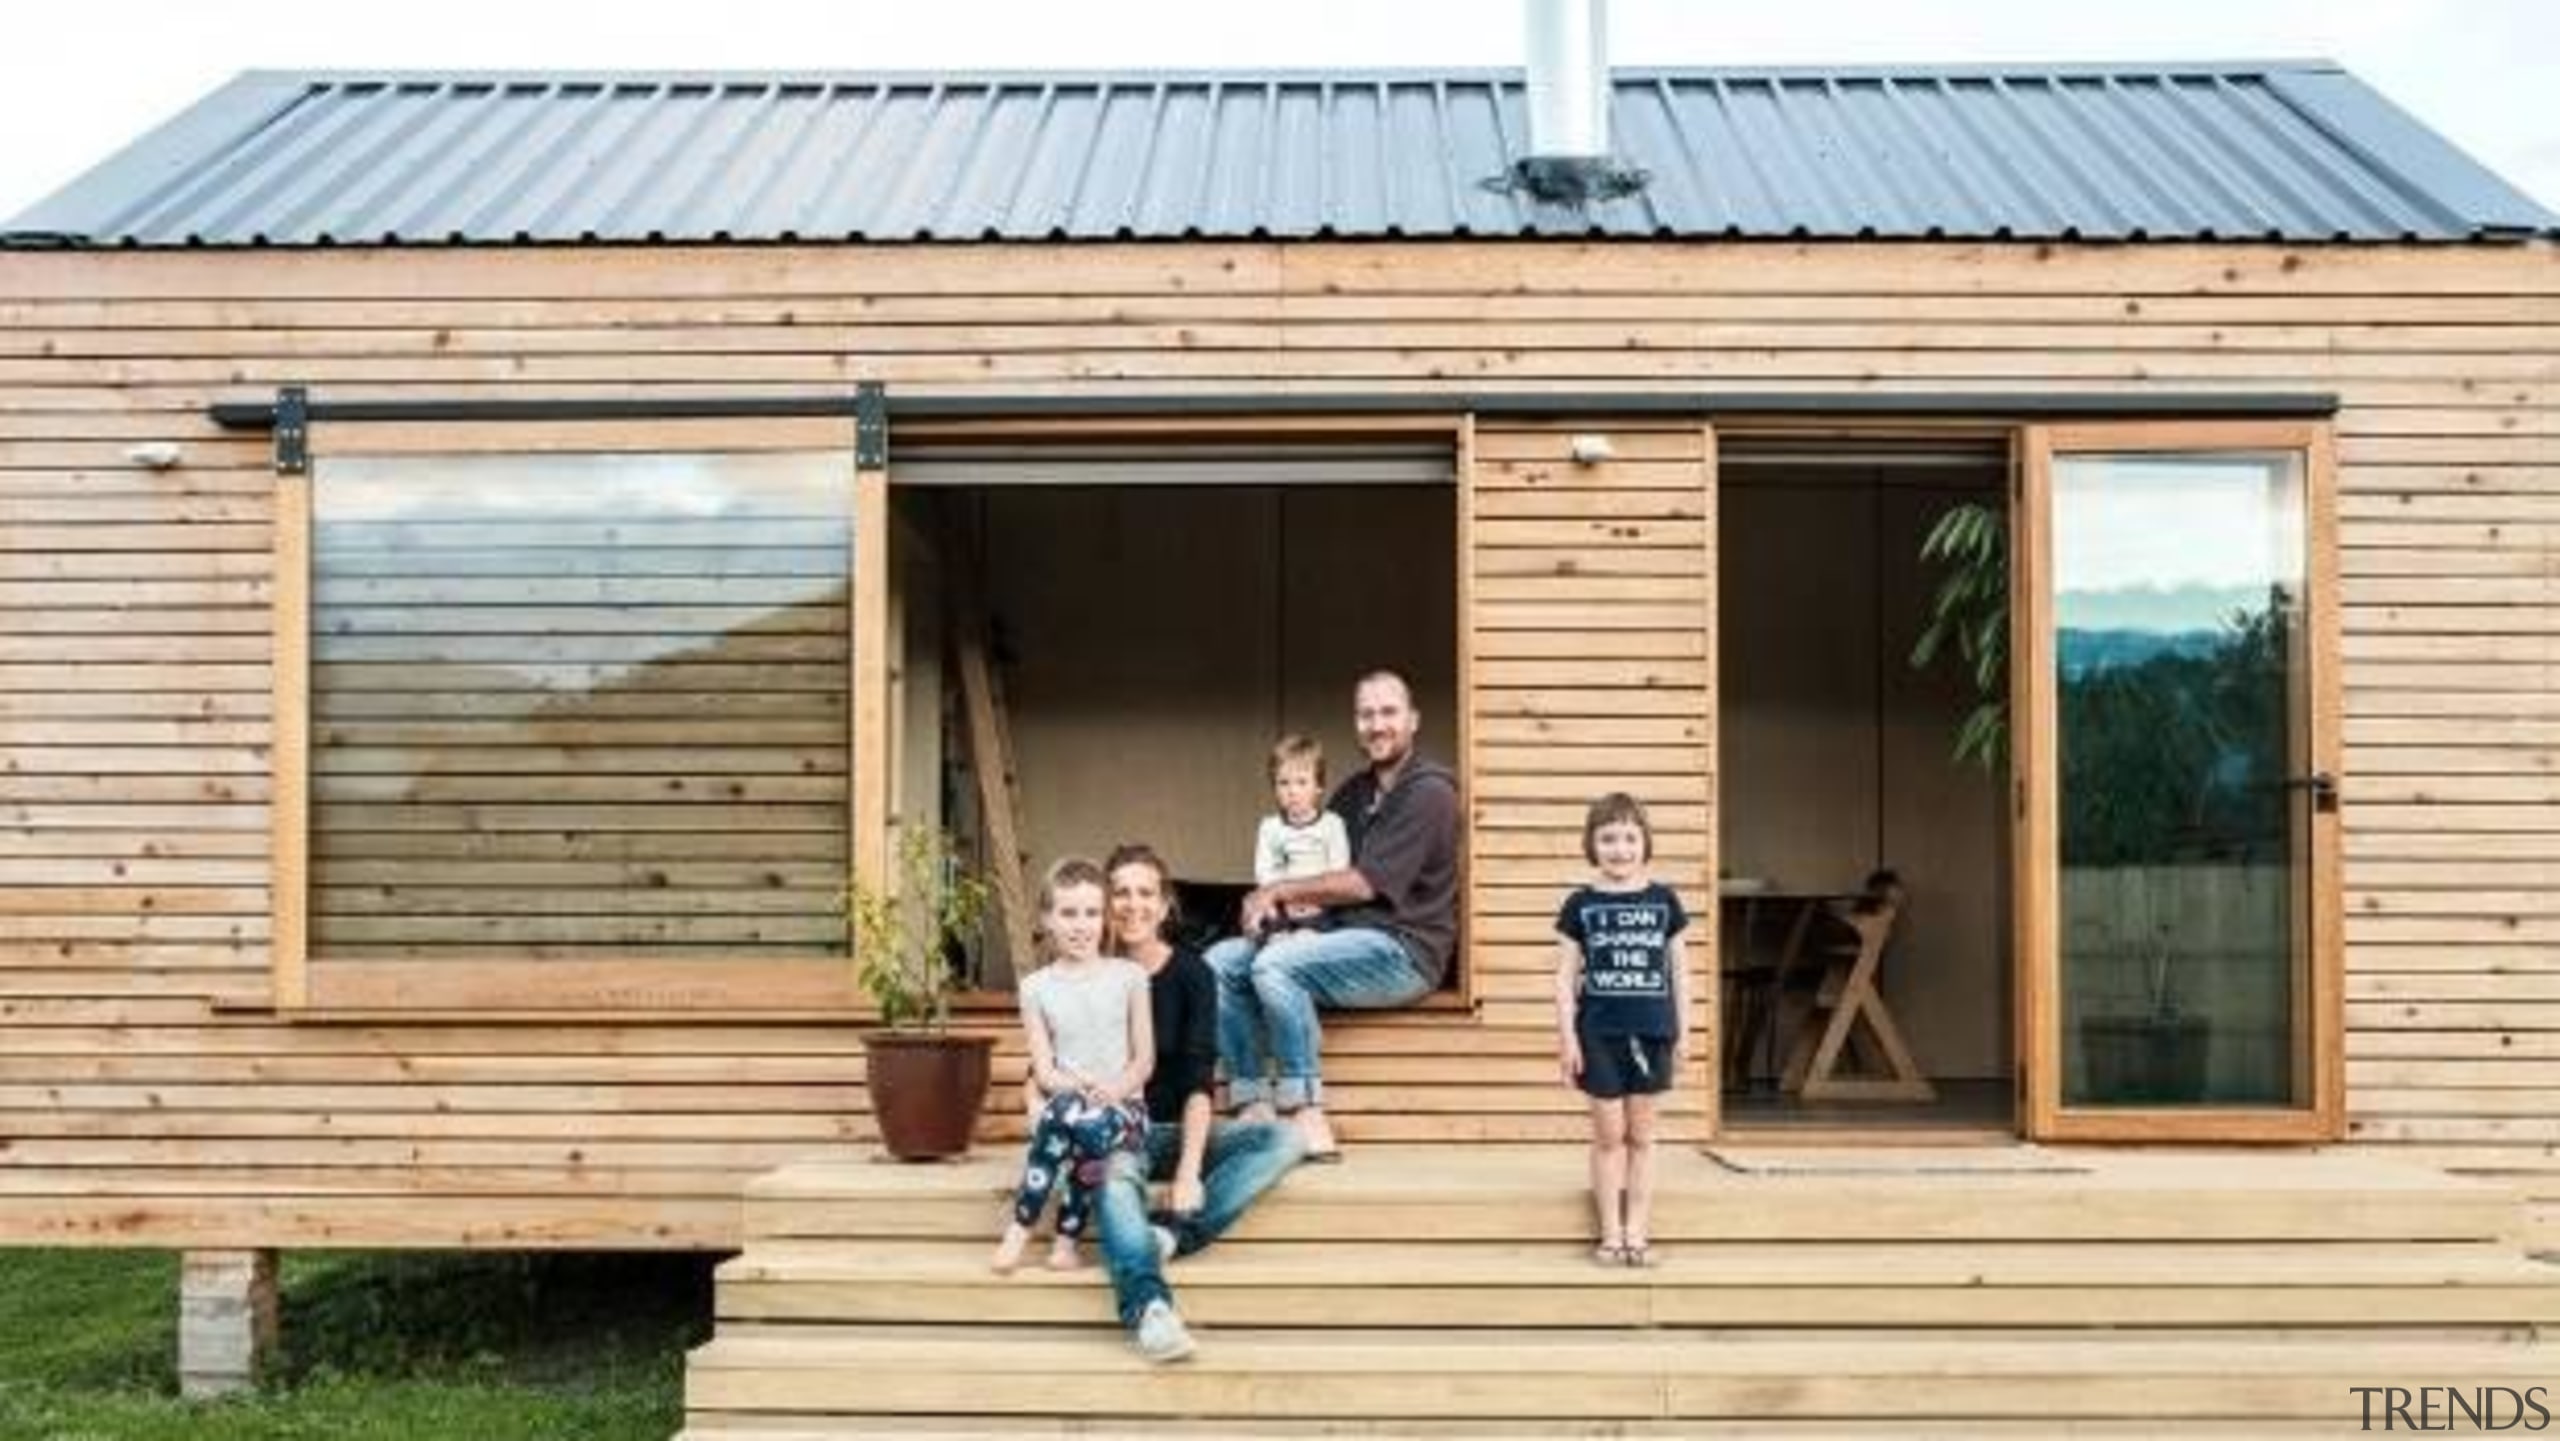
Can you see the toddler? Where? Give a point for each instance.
(1302, 838)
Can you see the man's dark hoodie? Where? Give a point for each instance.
(1404, 842)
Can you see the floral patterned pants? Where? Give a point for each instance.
(1074, 1141)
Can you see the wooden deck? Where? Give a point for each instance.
(1894, 1289)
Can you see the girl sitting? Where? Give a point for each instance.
(1092, 1040)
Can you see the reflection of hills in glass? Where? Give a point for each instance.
(2174, 738)
(2106, 629)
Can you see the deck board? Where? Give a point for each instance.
(1372, 1375)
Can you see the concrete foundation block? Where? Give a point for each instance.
(226, 1320)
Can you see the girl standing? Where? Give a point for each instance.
(1086, 1019)
(1621, 997)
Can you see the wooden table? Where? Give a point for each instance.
(1746, 899)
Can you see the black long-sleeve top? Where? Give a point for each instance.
(1183, 996)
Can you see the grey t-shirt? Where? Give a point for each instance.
(1087, 1013)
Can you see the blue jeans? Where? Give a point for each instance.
(1267, 999)
(1242, 1162)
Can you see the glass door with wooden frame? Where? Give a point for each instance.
(2173, 696)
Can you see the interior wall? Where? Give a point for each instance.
(1368, 580)
(1156, 640)
(1943, 823)
(1837, 752)
(1797, 598)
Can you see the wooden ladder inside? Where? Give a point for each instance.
(990, 744)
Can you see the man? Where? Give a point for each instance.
(1393, 913)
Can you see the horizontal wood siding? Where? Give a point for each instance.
(1592, 595)
(145, 1097)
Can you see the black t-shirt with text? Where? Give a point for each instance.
(1625, 938)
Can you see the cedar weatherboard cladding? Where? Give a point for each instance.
(152, 1103)
(2295, 151)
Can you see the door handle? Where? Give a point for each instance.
(2323, 788)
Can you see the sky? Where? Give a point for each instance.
(87, 77)
(2120, 563)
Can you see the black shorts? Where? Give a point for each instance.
(1615, 1066)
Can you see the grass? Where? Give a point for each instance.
(374, 1345)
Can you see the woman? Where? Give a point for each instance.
(1217, 1168)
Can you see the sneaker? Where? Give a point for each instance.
(1166, 1245)
(1161, 1335)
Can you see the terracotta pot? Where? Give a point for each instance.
(926, 1090)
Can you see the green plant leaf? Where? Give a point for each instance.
(903, 929)
(1969, 616)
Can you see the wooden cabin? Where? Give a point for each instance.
(487, 555)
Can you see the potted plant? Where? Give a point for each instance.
(927, 1085)
(2157, 1055)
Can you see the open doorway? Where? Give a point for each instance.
(1866, 892)
(1149, 620)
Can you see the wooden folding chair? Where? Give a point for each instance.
(1851, 937)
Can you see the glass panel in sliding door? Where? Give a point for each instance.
(2178, 674)
(579, 707)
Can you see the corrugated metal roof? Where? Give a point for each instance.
(2286, 151)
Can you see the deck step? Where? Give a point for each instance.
(1838, 1291)
(1663, 1375)
(1535, 1194)
(932, 1428)
(1486, 1284)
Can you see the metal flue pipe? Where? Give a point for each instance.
(1568, 161)
(1568, 79)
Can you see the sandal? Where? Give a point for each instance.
(1638, 1254)
(1609, 1253)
